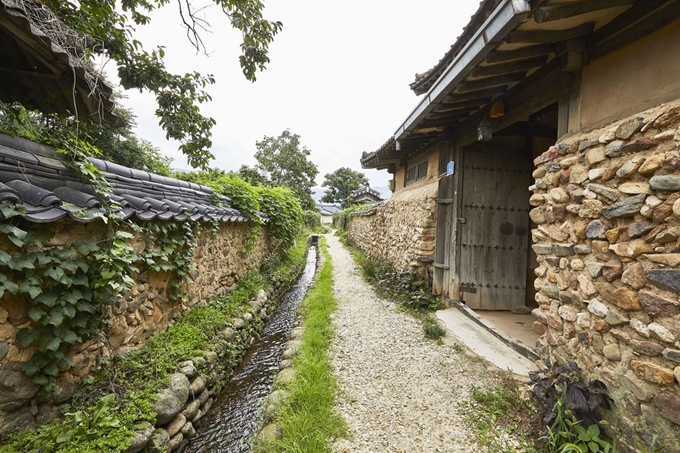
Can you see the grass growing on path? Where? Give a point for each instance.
(308, 420)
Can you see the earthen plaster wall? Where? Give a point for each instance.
(611, 87)
(606, 203)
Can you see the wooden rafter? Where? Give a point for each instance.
(509, 67)
(489, 82)
(502, 56)
(642, 19)
(547, 36)
(447, 106)
(456, 98)
(565, 10)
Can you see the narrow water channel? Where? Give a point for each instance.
(235, 417)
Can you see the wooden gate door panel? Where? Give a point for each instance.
(494, 236)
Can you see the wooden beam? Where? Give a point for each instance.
(489, 82)
(26, 73)
(456, 98)
(548, 36)
(440, 115)
(508, 68)
(636, 30)
(624, 20)
(450, 104)
(525, 128)
(565, 10)
(502, 56)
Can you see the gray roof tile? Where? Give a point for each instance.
(34, 175)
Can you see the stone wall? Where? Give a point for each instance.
(400, 230)
(607, 214)
(145, 310)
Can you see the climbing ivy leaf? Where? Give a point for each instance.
(48, 298)
(26, 337)
(29, 288)
(56, 317)
(55, 273)
(36, 314)
(68, 336)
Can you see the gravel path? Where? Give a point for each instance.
(398, 391)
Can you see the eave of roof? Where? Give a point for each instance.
(38, 72)
(33, 176)
(517, 50)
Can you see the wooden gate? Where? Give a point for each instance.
(493, 230)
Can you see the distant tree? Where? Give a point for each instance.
(340, 185)
(282, 161)
(253, 176)
(119, 144)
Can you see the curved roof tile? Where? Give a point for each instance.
(34, 176)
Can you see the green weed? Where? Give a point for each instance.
(307, 418)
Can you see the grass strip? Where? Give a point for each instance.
(308, 420)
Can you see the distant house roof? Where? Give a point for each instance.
(328, 209)
(34, 176)
(366, 190)
(43, 64)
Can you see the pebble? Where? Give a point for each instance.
(391, 402)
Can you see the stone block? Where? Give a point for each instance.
(638, 229)
(624, 208)
(648, 348)
(595, 173)
(612, 352)
(665, 182)
(612, 269)
(668, 405)
(632, 249)
(630, 167)
(16, 389)
(622, 297)
(563, 249)
(616, 318)
(635, 188)
(637, 146)
(628, 128)
(613, 149)
(651, 164)
(671, 354)
(660, 332)
(653, 373)
(597, 228)
(667, 259)
(597, 308)
(658, 306)
(668, 279)
(590, 209)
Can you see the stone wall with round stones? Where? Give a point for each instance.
(606, 205)
(400, 230)
(144, 311)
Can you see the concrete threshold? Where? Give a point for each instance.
(479, 335)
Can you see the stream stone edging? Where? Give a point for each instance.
(193, 389)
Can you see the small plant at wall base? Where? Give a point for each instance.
(570, 410)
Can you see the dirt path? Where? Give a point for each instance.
(398, 391)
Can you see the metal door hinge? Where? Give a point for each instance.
(461, 220)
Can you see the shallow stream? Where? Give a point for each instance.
(236, 416)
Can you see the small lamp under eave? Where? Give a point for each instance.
(497, 110)
(484, 131)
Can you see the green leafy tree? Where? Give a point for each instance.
(340, 185)
(283, 162)
(117, 144)
(251, 175)
(111, 26)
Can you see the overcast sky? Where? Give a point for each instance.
(338, 76)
